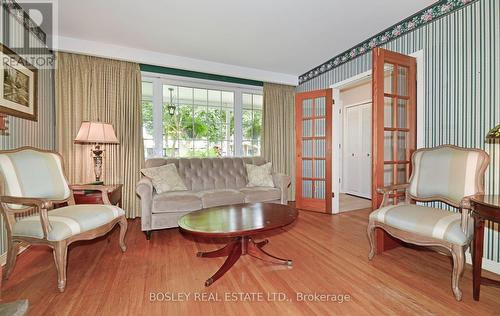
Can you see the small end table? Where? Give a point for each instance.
(484, 207)
(95, 197)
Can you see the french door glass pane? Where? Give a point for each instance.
(319, 169)
(307, 190)
(319, 189)
(388, 78)
(307, 148)
(402, 113)
(320, 127)
(388, 175)
(320, 107)
(307, 108)
(388, 117)
(388, 146)
(307, 128)
(319, 148)
(402, 145)
(402, 81)
(307, 168)
(402, 176)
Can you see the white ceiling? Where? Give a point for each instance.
(276, 36)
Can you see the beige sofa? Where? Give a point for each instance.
(210, 182)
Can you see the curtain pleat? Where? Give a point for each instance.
(98, 89)
(278, 144)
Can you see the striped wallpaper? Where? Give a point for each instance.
(462, 85)
(30, 133)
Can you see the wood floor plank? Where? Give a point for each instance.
(329, 256)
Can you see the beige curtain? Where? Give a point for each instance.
(91, 88)
(278, 144)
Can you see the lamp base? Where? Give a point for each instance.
(97, 151)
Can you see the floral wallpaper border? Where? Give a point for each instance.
(17, 11)
(428, 15)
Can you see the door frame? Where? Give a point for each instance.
(337, 120)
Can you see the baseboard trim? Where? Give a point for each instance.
(3, 256)
(488, 264)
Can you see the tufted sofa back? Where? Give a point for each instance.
(201, 174)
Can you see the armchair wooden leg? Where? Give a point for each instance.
(458, 254)
(371, 239)
(148, 234)
(12, 251)
(61, 258)
(123, 230)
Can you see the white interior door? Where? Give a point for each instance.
(356, 179)
(352, 147)
(365, 166)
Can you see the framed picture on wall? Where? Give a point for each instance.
(18, 85)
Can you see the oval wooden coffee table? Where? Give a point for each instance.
(240, 221)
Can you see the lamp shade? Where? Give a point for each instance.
(96, 132)
(494, 133)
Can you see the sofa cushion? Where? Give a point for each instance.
(178, 201)
(221, 197)
(426, 221)
(165, 178)
(260, 176)
(261, 194)
(68, 221)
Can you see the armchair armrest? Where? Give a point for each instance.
(144, 189)
(386, 191)
(104, 190)
(32, 202)
(42, 205)
(282, 182)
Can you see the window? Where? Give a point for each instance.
(252, 124)
(202, 120)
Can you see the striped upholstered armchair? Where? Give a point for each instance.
(33, 182)
(448, 174)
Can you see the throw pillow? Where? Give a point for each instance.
(165, 178)
(260, 176)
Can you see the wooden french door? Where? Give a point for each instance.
(314, 150)
(394, 120)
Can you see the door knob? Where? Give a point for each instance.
(352, 154)
(368, 155)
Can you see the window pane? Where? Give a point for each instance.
(197, 122)
(147, 90)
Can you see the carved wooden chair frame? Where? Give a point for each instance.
(457, 252)
(42, 207)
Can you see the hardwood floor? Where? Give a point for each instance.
(351, 203)
(329, 253)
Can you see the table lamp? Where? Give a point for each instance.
(96, 133)
(493, 134)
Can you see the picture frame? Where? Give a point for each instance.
(18, 86)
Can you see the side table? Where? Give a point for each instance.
(484, 207)
(95, 197)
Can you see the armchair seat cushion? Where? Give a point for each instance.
(68, 221)
(220, 197)
(260, 194)
(176, 201)
(425, 221)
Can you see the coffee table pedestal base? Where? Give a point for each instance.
(235, 249)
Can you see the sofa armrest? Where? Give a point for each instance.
(282, 182)
(144, 189)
